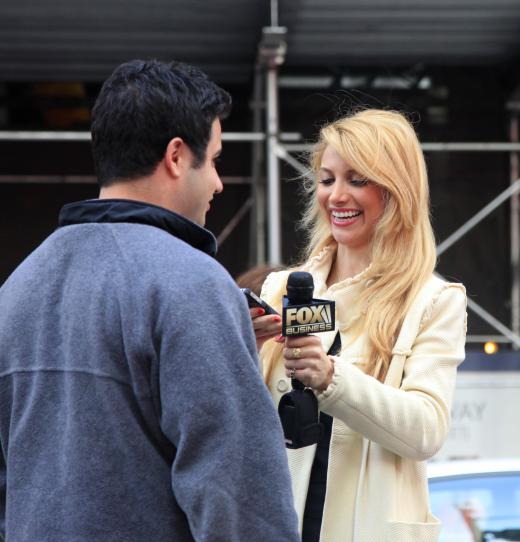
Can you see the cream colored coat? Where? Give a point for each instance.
(382, 433)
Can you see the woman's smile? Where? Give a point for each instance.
(344, 217)
(352, 203)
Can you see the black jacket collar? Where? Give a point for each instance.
(138, 212)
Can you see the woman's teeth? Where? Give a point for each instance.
(345, 214)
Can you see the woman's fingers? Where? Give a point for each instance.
(305, 376)
(302, 341)
(268, 325)
(265, 326)
(301, 353)
(305, 360)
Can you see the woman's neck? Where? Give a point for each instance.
(348, 263)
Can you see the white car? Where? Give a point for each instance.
(476, 500)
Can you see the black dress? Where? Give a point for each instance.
(313, 513)
(317, 485)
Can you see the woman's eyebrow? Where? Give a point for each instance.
(330, 172)
(326, 170)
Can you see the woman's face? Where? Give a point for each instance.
(351, 204)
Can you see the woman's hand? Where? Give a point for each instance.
(266, 326)
(305, 359)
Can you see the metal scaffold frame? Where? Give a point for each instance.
(506, 334)
(277, 151)
(269, 146)
(269, 212)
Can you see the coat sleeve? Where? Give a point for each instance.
(230, 474)
(412, 421)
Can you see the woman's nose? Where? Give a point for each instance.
(340, 192)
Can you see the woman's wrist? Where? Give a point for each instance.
(329, 375)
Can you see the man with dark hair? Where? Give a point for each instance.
(142, 106)
(132, 408)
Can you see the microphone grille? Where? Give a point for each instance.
(300, 279)
(300, 287)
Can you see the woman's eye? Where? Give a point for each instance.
(358, 182)
(327, 182)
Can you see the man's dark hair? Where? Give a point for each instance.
(142, 106)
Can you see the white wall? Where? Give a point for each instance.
(485, 416)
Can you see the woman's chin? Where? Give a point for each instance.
(349, 241)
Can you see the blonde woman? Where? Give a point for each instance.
(385, 398)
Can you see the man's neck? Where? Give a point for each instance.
(136, 190)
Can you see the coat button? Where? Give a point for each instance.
(282, 385)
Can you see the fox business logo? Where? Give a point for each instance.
(315, 317)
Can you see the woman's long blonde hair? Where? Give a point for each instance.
(382, 146)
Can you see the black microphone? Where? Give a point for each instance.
(301, 314)
(300, 287)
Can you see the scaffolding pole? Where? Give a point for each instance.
(26, 135)
(469, 146)
(257, 245)
(271, 54)
(478, 217)
(274, 230)
(515, 233)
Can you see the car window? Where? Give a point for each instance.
(477, 508)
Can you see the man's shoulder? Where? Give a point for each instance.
(149, 248)
(171, 263)
(33, 264)
(173, 251)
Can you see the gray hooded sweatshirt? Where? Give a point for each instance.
(131, 405)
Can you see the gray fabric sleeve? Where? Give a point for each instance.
(230, 473)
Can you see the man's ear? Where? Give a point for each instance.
(177, 158)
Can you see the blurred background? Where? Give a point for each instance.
(291, 65)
